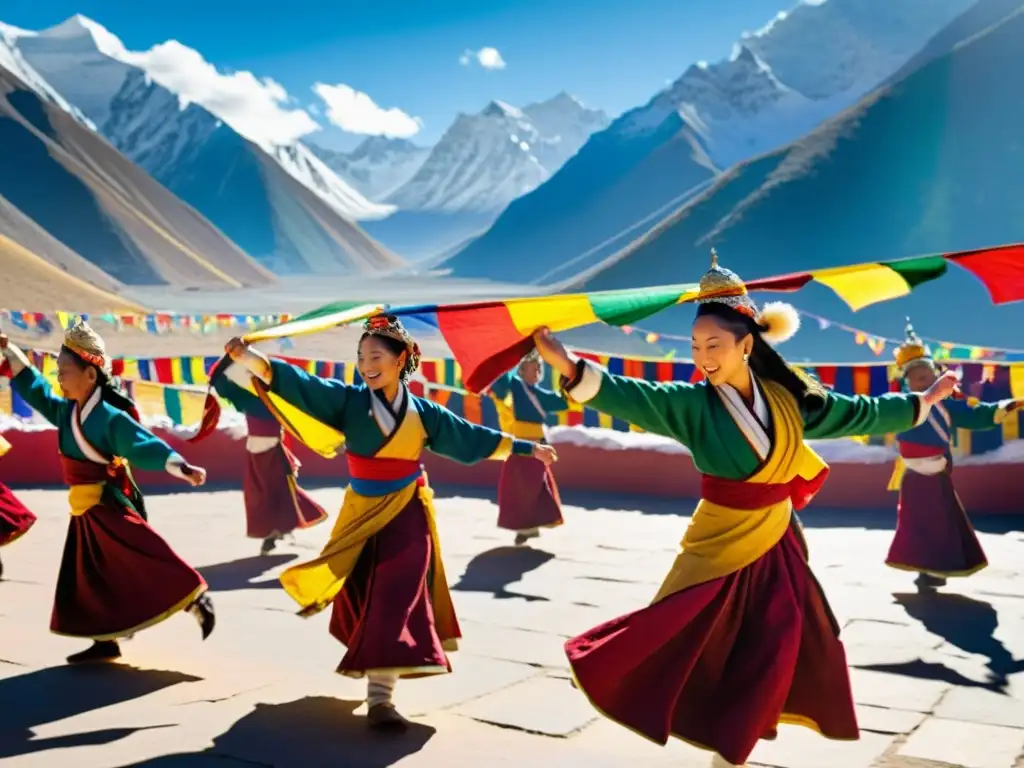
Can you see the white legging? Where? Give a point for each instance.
(379, 687)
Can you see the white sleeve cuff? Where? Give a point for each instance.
(16, 358)
(924, 408)
(176, 466)
(238, 374)
(257, 364)
(589, 385)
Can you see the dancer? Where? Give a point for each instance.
(934, 536)
(117, 575)
(15, 519)
(274, 503)
(527, 493)
(740, 636)
(382, 569)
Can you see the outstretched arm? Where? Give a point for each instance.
(851, 416)
(980, 416)
(132, 441)
(467, 443)
(323, 399)
(29, 383)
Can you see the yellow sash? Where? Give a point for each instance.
(721, 540)
(314, 584)
(899, 469)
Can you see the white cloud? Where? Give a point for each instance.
(488, 58)
(255, 107)
(355, 112)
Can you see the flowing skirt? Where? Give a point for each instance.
(722, 663)
(15, 519)
(118, 575)
(527, 495)
(933, 532)
(384, 614)
(274, 503)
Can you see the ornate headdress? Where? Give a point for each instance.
(777, 320)
(912, 352)
(391, 326)
(88, 345)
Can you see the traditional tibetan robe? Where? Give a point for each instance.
(527, 493)
(933, 532)
(739, 637)
(117, 575)
(15, 519)
(381, 570)
(274, 502)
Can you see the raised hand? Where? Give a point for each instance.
(946, 385)
(554, 354)
(236, 348)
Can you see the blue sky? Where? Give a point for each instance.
(612, 54)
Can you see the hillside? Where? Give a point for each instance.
(929, 164)
(85, 194)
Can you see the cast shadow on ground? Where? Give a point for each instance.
(312, 732)
(964, 622)
(492, 571)
(243, 572)
(55, 693)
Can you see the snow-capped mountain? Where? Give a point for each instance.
(486, 160)
(90, 67)
(377, 167)
(779, 83)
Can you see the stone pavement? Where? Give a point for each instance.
(937, 681)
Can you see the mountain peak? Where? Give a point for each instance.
(501, 109)
(80, 27)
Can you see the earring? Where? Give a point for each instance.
(746, 357)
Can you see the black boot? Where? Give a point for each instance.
(269, 545)
(100, 650)
(202, 612)
(927, 584)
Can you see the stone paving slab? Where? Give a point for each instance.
(937, 681)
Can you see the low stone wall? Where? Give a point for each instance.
(984, 488)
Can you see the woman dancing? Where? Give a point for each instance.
(934, 536)
(740, 636)
(382, 570)
(117, 575)
(275, 505)
(527, 493)
(15, 519)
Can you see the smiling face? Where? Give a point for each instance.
(77, 380)
(379, 363)
(530, 372)
(921, 376)
(717, 351)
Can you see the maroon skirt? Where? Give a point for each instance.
(384, 614)
(117, 575)
(933, 532)
(274, 503)
(15, 519)
(721, 664)
(527, 495)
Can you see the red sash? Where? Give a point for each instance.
(740, 494)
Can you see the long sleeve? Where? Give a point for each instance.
(853, 416)
(323, 399)
(675, 409)
(455, 438)
(35, 390)
(979, 416)
(142, 449)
